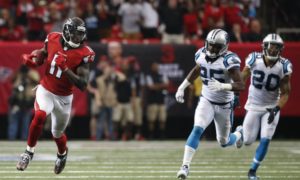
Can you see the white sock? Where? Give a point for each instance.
(30, 149)
(62, 153)
(188, 155)
(238, 135)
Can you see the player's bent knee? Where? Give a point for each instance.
(57, 134)
(39, 117)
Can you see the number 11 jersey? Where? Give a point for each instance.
(264, 89)
(54, 79)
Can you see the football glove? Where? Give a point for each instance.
(180, 95)
(272, 113)
(215, 85)
(180, 91)
(28, 60)
(61, 61)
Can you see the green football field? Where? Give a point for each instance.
(149, 160)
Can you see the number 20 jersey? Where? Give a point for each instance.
(55, 80)
(219, 71)
(264, 89)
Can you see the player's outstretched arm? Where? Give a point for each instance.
(246, 73)
(285, 89)
(238, 84)
(80, 79)
(35, 58)
(193, 74)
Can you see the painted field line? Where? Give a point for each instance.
(158, 163)
(146, 171)
(75, 167)
(142, 177)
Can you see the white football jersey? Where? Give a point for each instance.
(264, 90)
(219, 71)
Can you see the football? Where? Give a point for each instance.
(40, 56)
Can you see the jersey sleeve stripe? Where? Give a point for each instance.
(285, 65)
(197, 56)
(251, 62)
(226, 64)
(235, 67)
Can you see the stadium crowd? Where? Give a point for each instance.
(171, 21)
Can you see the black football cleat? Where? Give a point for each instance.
(25, 158)
(60, 162)
(252, 175)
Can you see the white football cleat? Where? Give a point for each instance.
(239, 143)
(183, 172)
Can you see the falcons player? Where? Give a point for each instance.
(67, 62)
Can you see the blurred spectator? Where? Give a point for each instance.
(191, 22)
(172, 22)
(131, 19)
(115, 54)
(91, 22)
(123, 113)
(106, 18)
(105, 86)
(255, 32)
(156, 109)
(12, 32)
(36, 21)
(150, 19)
(138, 84)
(213, 16)
(23, 8)
(4, 18)
(235, 35)
(232, 14)
(21, 102)
(248, 10)
(95, 100)
(56, 18)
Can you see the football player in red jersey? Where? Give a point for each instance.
(67, 61)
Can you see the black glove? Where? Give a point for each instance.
(272, 113)
(236, 101)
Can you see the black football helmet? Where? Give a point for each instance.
(74, 32)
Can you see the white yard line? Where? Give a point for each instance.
(139, 171)
(141, 177)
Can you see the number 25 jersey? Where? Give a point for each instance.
(218, 70)
(264, 89)
(55, 80)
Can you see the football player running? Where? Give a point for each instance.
(219, 70)
(67, 62)
(268, 93)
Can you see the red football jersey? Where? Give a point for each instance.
(55, 80)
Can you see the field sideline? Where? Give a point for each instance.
(92, 160)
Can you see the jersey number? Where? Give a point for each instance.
(272, 82)
(212, 72)
(53, 67)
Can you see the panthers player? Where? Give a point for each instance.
(219, 70)
(67, 62)
(268, 93)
